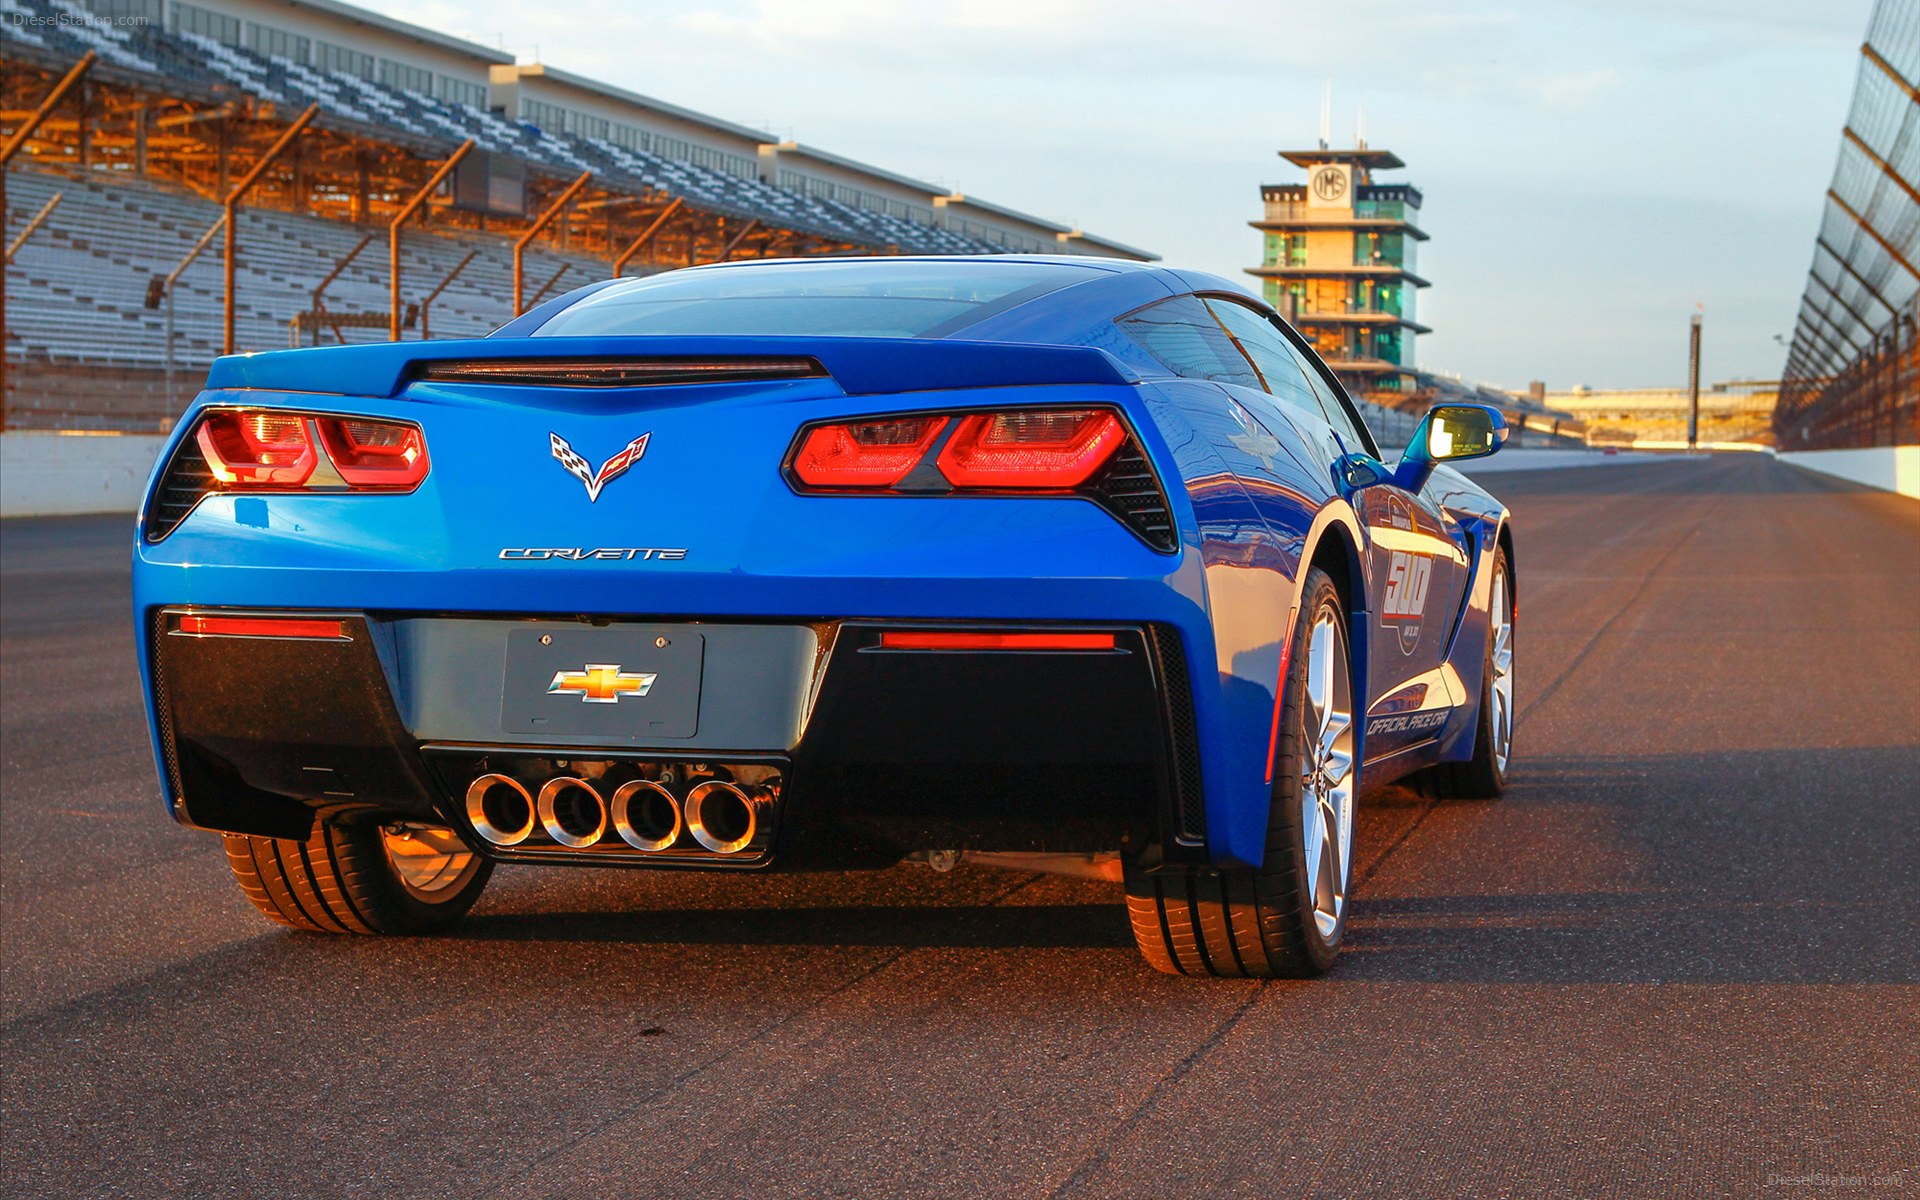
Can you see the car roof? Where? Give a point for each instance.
(1091, 261)
(1072, 314)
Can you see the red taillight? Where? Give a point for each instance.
(267, 627)
(1080, 451)
(270, 449)
(257, 449)
(959, 640)
(874, 454)
(1061, 448)
(375, 454)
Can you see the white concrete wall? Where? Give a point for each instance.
(57, 474)
(1894, 468)
(1528, 458)
(44, 474)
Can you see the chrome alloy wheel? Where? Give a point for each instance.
(429, 859)
(1327, 774)
(1502, 673)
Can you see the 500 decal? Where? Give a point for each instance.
(1408, 577)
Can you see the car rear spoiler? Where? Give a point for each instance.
(860, 366)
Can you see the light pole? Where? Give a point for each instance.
(1693, 382)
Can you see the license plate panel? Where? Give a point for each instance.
(616, 682)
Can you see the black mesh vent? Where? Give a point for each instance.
(1189, 804)
(1128, 488)
(163, 710)
(187, 479)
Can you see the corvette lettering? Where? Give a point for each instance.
(609, 471)
(601, 683)
(601, 554)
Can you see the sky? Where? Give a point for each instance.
(1592, 171)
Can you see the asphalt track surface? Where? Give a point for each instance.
(1678, 960)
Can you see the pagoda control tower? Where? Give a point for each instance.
(1339, 264)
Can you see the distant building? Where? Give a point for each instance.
(1738, 410)
(1338, 262)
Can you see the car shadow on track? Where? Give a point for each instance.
(905, 907)
(1701, 868)
(903, 926)
(1749, 866)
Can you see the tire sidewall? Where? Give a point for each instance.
(402, 908)
(1495, 772)
(1288, 835)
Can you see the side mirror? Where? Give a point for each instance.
(1450, 433)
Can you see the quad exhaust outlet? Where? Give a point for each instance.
(721, 817)
(724, 817)
(500, 809)
(572, 812)
(646, 816)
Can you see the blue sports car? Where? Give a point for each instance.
(1063, 564)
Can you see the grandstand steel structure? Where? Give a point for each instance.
(141, 163)
(1852, 377)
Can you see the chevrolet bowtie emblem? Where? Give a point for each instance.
(601, 683)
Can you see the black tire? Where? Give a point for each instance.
(1482, 777)
(342, 880)
(1256, 922)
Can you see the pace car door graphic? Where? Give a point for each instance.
(1417, 577)
(1403, 603)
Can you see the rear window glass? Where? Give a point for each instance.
(873, 298)
(1184, 337)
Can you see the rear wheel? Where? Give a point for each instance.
(360, 878)
(1484, 776)
(1288, 916)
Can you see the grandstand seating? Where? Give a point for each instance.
(206, 63)
(76, 292)
(77, 323)
(78, 286)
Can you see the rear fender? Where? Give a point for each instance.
(1253, 608)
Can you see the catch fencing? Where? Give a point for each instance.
(1852, 377)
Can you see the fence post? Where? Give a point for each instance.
(13, 147)
(540, 222)
(232, 204)
(393, 234)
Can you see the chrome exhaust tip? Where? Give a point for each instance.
(500, 810)
(724, 817)
(572, 812)
(646, 816)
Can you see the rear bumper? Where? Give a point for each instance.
(880, 752)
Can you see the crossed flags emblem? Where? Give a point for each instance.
(610, 470)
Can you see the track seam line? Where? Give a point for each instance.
(1380, 860)
(700, 1068)
(1593, 639)
(1180, 1071)
(1373, 868)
